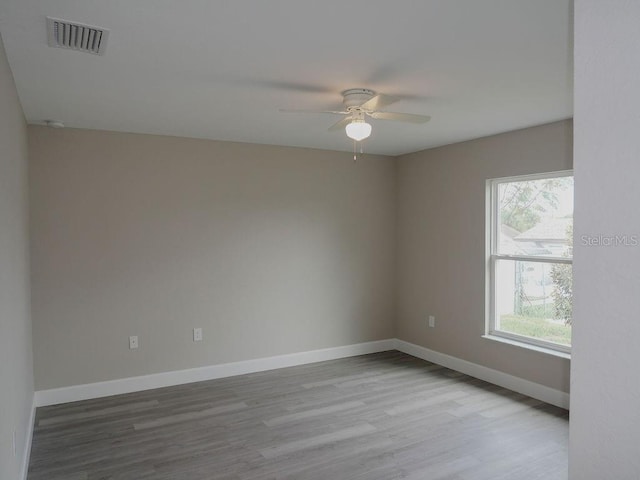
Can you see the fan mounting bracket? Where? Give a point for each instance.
(354, 97)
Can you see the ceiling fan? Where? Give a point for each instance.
(360, 103)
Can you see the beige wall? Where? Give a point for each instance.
(441, 245)
(271, 250)
(16, 370)
(605, 384)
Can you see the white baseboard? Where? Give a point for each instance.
(531, 389)
(146, 382)
(165, 379)
(26, 453)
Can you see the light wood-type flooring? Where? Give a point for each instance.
(383, 416)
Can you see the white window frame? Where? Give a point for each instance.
(492, 256)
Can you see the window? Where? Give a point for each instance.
(530, 248)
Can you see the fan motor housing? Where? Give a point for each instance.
(354, 97)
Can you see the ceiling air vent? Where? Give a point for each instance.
(76, 36)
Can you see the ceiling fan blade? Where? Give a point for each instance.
(289, 110)
(401, 117)
(339, 125)
(378, 102)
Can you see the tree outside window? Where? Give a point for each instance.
(531, 221)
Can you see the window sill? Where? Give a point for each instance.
(528, 346)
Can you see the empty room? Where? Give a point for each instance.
(263, 240)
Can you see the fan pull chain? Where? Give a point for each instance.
(355, 149)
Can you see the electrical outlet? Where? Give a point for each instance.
(133, 342)
(432, 321)
(197, 334)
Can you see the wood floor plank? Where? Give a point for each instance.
(425, 403)
(374, 417)
(129, 407)
(319, 440)
(184, 417)
(314, 412)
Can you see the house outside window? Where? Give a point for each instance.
(530, 248)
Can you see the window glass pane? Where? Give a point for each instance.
(536, 217)
(534, 299)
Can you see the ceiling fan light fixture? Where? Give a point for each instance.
(358, 130)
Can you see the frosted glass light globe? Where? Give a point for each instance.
(358, 130)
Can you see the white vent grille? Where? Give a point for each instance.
(76, 36)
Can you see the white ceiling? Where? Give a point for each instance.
(221, 69)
